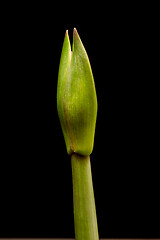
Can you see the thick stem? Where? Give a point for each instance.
(83, 199)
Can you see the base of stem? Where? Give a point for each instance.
(83, 199)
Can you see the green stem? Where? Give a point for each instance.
(85, 219)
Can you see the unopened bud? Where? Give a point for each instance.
(76, 97)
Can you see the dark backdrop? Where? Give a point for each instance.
(36, 182)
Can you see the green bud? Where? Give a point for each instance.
(76, 97)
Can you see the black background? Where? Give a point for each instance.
(36, 181)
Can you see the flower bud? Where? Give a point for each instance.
(76, 97)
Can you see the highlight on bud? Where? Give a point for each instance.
(76, 97)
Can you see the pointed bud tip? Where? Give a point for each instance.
(74, 30)
(66, 38)
(75, 33)
(66, 34)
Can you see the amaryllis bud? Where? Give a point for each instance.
(76, 97)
